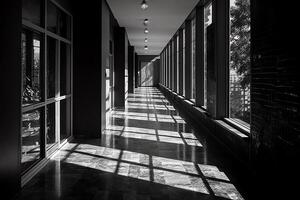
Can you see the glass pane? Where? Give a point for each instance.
(207, 23)
(239, 60)
(50, 134)
(64, 25)
(65, 69)
(52, 15)
(193, 70)
(183, 64)
(58, 21)
(31, 138)
(177, 63)
(65, 120)
(51, 65)
(31, 11)
(31, 67)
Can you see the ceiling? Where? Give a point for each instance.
(165, 17)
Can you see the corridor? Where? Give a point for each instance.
(147, 152)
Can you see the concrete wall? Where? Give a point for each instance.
(275, 96)
(87, 69)
(105, 62)
(120, 67)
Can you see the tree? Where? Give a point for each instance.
(240, 40)
(240, 58)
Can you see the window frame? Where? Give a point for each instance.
(238, 123)
(44, 33)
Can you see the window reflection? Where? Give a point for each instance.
(65, 109)
(31, 138)
(31, 11)
(64, 24)
(65, 69)
(58, 21)
(31, 67)
(52, 17)
(51, 67)
(50, 134)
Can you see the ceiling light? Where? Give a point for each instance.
(146, 22)
(146, 47)
(144, 5)
(146, 31)
(146, 40)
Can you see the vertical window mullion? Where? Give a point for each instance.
(220, 19)
(199, 56)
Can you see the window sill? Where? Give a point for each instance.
(189, 102)
(232, 129)
(241, 127)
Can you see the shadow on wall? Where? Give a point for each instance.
(148, 73)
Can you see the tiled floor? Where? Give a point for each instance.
(148, 152)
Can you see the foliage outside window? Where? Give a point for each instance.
(207, 23)
(239, 80)
(31, 67)
(177, 63)
(193, 70)
(183, 60)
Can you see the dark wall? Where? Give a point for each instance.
(136, 70)
(120, 66)
(131, 69)
(10, 100)
(87, 68)
(156, 75)
(105, 67)
(275, 97)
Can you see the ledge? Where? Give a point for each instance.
(231, 129)
(234, 139)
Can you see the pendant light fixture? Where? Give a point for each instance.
(144, 5)
(146, 22)
(146, 31)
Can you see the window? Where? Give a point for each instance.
(46, 81)
(31, 11)
(207, 24)
(183, 61)
(193, 59)
(169, 66)
(51, 67)
(173, 65)
(65, 108)
(31, 138)
(52, 15)
(177, 62)
(50, 131)
(31, 68)
(64, 22)
(58, 21)
(65, 69)
(239, 63)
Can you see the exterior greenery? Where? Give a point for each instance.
(240, 60)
